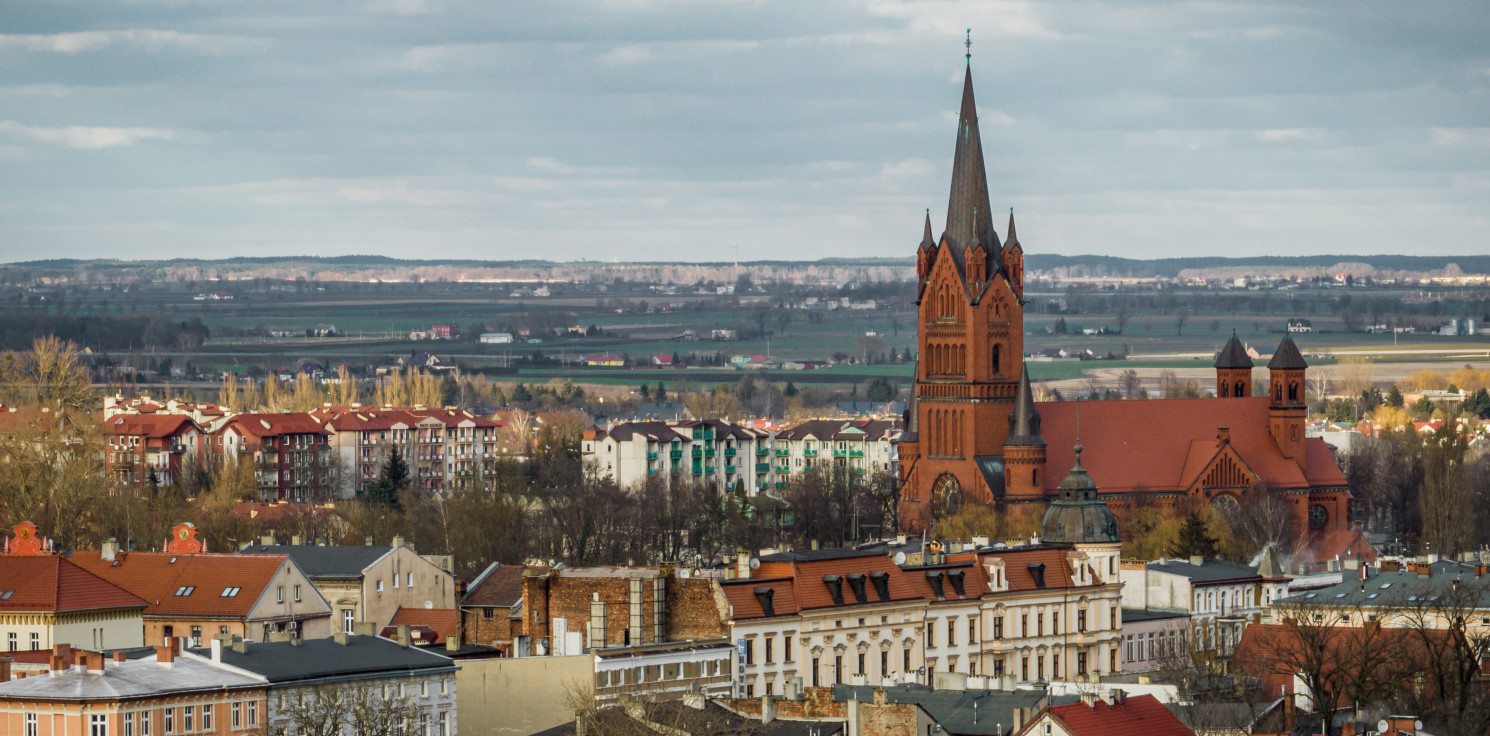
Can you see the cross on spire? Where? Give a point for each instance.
(968, 44)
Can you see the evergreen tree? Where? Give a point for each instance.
(1193, 539)
(392, 479)
(645, 391)
(1394, 398)
(659, 394)
(790, 390)
(520, 395)
(448, 390)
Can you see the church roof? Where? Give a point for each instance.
(1234, 354)
(927, 239)
(1147, 444)
(969, 218)
(1287, 357)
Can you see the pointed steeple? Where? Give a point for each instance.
(969, 218)
(1234, 354)
(927, 240)
(1287, 357)
(1024, 423)
(1010, 238)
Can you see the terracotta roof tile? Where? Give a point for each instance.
(499, 586)
(1138, 715)
(1149, 444)
(51, 583)
(157, 576)
(156, 426)
(440, 622)
(746, 604)
(273, 425)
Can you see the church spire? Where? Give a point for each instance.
(1010, 239)
(969, 218)
(1024, 423)
(927, 239)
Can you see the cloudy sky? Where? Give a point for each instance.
(681, 130)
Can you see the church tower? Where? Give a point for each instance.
(1286, 407)
(970, 341)
(1233, 370)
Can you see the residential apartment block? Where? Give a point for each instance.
(1220, 598)
(139, 444)
(727, 455)
(291, 453)
(444, 448)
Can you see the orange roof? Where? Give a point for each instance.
(1137, 715)
(746, 604)
(440, 622)
(11, 420)
(159, 576)
(158, 426)
(1272, 653)
(1021, 578)
(812, 592)
(273, 425)
(51, 583)
(1161, 444)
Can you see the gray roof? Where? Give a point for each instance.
(318, 561)
(1404, 589)
(808, 555)
(1209, 571)
(132, 678)
(953, 709)
(311, 659)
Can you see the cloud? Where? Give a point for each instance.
(1287, 135)
(90, 138)
(148, 40)
(1461, 137)
(549, 165)
(911, 168)
(626, 55)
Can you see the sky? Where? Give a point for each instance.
(716, 130)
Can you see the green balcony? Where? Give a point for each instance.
(783, 469)
(698, 452)
(651, 456)
(675, 454)
(783, 452)
(729, 452)
(781, 484)
(762, 467)
(856, 453)
(810, 453)
(762, 450)
(651, 471)
(698, 470)
(840, 453)
(730, 468)
(858, 470)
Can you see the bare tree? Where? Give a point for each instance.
(1448, 644)
(359, 708)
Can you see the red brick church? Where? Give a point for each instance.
(975, 434)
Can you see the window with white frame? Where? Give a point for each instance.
(98, 724)
(30, 724)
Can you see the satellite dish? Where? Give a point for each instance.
(683, 574)
(1381, 725)
(900, 558)
(755, 563)
(1417, 725)
(429, 604)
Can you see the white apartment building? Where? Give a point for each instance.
(1219, 597)
(726, 455)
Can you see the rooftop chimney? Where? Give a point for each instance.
(5, 669)
(110, 549)
(94, 663)
(367, 541)
(119, 659)
(297, 540)
(240, 646)
(340, 637)
(403, 635)
(398, 542)
(267, 540)
(1197, 560)
(165, 656)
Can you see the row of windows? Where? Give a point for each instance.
(408, 577)
(176, 720)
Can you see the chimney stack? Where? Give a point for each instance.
(5, 663)
(94, 662)
(110, 549)
(267, 540)
(397, 542)
(403, 635)
(1197, 560)
(297, 540)
(119, 658)
(165, 656)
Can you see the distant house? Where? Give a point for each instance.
(283, 331)
(444, 331)
(1300, 325)
(722, 334)
(663, 361)
(324, 330)
(607, 361)
(495, 338)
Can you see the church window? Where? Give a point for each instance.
(997, 364)
(1035, 477)
(1277, 392)
(1241, 389)
(1293, 392)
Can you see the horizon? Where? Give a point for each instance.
(639, 126)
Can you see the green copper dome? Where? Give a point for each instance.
(1077, 516)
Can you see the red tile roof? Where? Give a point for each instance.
(1021, 577)
(439, 622)
(1152, 444)
(157, 426)
(273, 425)
(1272, 652)
(500, 586)
(51, 583)
(746, 604)
(812, 592)
(1137, 715)
(157, 576)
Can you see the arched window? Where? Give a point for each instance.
(1293, 391)
(1241, 388)
(1278, 392)
(997, 367)
(1035, 477)
(1225, 390)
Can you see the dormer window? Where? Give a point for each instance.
(185, 590)
(230, 592)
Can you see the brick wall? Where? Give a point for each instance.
(695, 607)
(476, 628)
